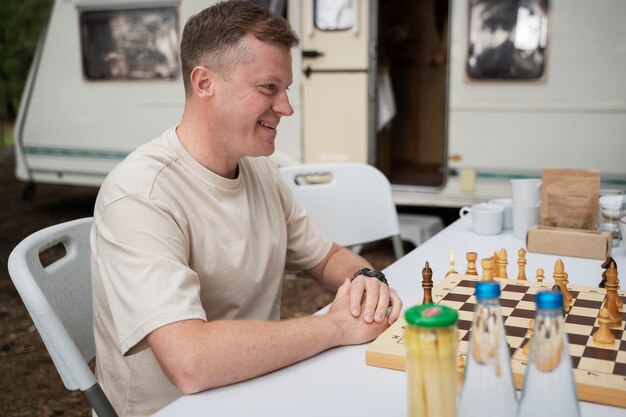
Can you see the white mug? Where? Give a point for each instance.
(507, 204)
(485, 219)
(526, 191)
(524, 216)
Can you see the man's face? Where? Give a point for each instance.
(253, 98)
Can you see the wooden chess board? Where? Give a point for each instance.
(599, 371)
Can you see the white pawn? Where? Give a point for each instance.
(604, 335)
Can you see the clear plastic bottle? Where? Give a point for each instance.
(488, 389)
(549, 388)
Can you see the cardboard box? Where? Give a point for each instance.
(569, 242)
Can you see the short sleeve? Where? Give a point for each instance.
(144, 268)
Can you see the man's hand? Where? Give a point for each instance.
(371, 298)
(353, 330)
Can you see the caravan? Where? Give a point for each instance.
(450, 99)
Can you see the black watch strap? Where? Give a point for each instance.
(372, 273)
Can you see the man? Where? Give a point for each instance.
(194, 230)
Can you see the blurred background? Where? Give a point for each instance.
(21, 24)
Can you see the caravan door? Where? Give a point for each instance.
(335, 80)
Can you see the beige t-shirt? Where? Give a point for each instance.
(174, 241)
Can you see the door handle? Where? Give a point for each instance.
(311, 53)
(308, 70)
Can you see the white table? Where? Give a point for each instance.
(337, 382)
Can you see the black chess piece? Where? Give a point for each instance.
(427, 284)
(558, 289)
(606, 265)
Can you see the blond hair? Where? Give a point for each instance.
(213, 37)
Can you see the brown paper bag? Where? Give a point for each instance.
(569, 198)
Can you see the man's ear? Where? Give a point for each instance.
(202, 81)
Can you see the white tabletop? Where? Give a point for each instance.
(337, 382)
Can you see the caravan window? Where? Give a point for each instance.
(130, 43)
(507, 40)
(335, 14)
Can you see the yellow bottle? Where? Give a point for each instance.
(431, 340)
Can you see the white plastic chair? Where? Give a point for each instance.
(58, 298)
(351, 203)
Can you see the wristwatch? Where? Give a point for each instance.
(372, 273)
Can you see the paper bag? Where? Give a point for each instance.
(569, 198)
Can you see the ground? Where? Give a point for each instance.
(29, 383)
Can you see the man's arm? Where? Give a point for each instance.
(198, 355)
(368, 296)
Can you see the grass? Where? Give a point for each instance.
(7, 135)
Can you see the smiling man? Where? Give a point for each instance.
(194, 231)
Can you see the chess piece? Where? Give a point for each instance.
(603, 281)
(502, 263)
(494, 258)
(521, 263)
(618, 299)
(487, 264)
(539, 274)
(557, 288)
(568, 295)
(604, 335)
(531, 326)
(605, 265)
(427, 284)
(471, 263)
(451, 270)
(611, 294)
(559, 279)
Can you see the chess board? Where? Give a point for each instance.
(599, 371)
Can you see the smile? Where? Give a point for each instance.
(264, 124)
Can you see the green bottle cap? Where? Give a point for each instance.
(431, 315)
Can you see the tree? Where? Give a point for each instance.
(21, 25)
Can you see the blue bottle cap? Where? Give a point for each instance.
(487, 289)
(549, 300)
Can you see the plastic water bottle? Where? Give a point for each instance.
(488, 389)
(549, 388)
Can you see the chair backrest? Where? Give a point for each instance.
(351, 203)
(59, 300)
(58, 297)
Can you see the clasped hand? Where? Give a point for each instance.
(371, 299)
(360, 309)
